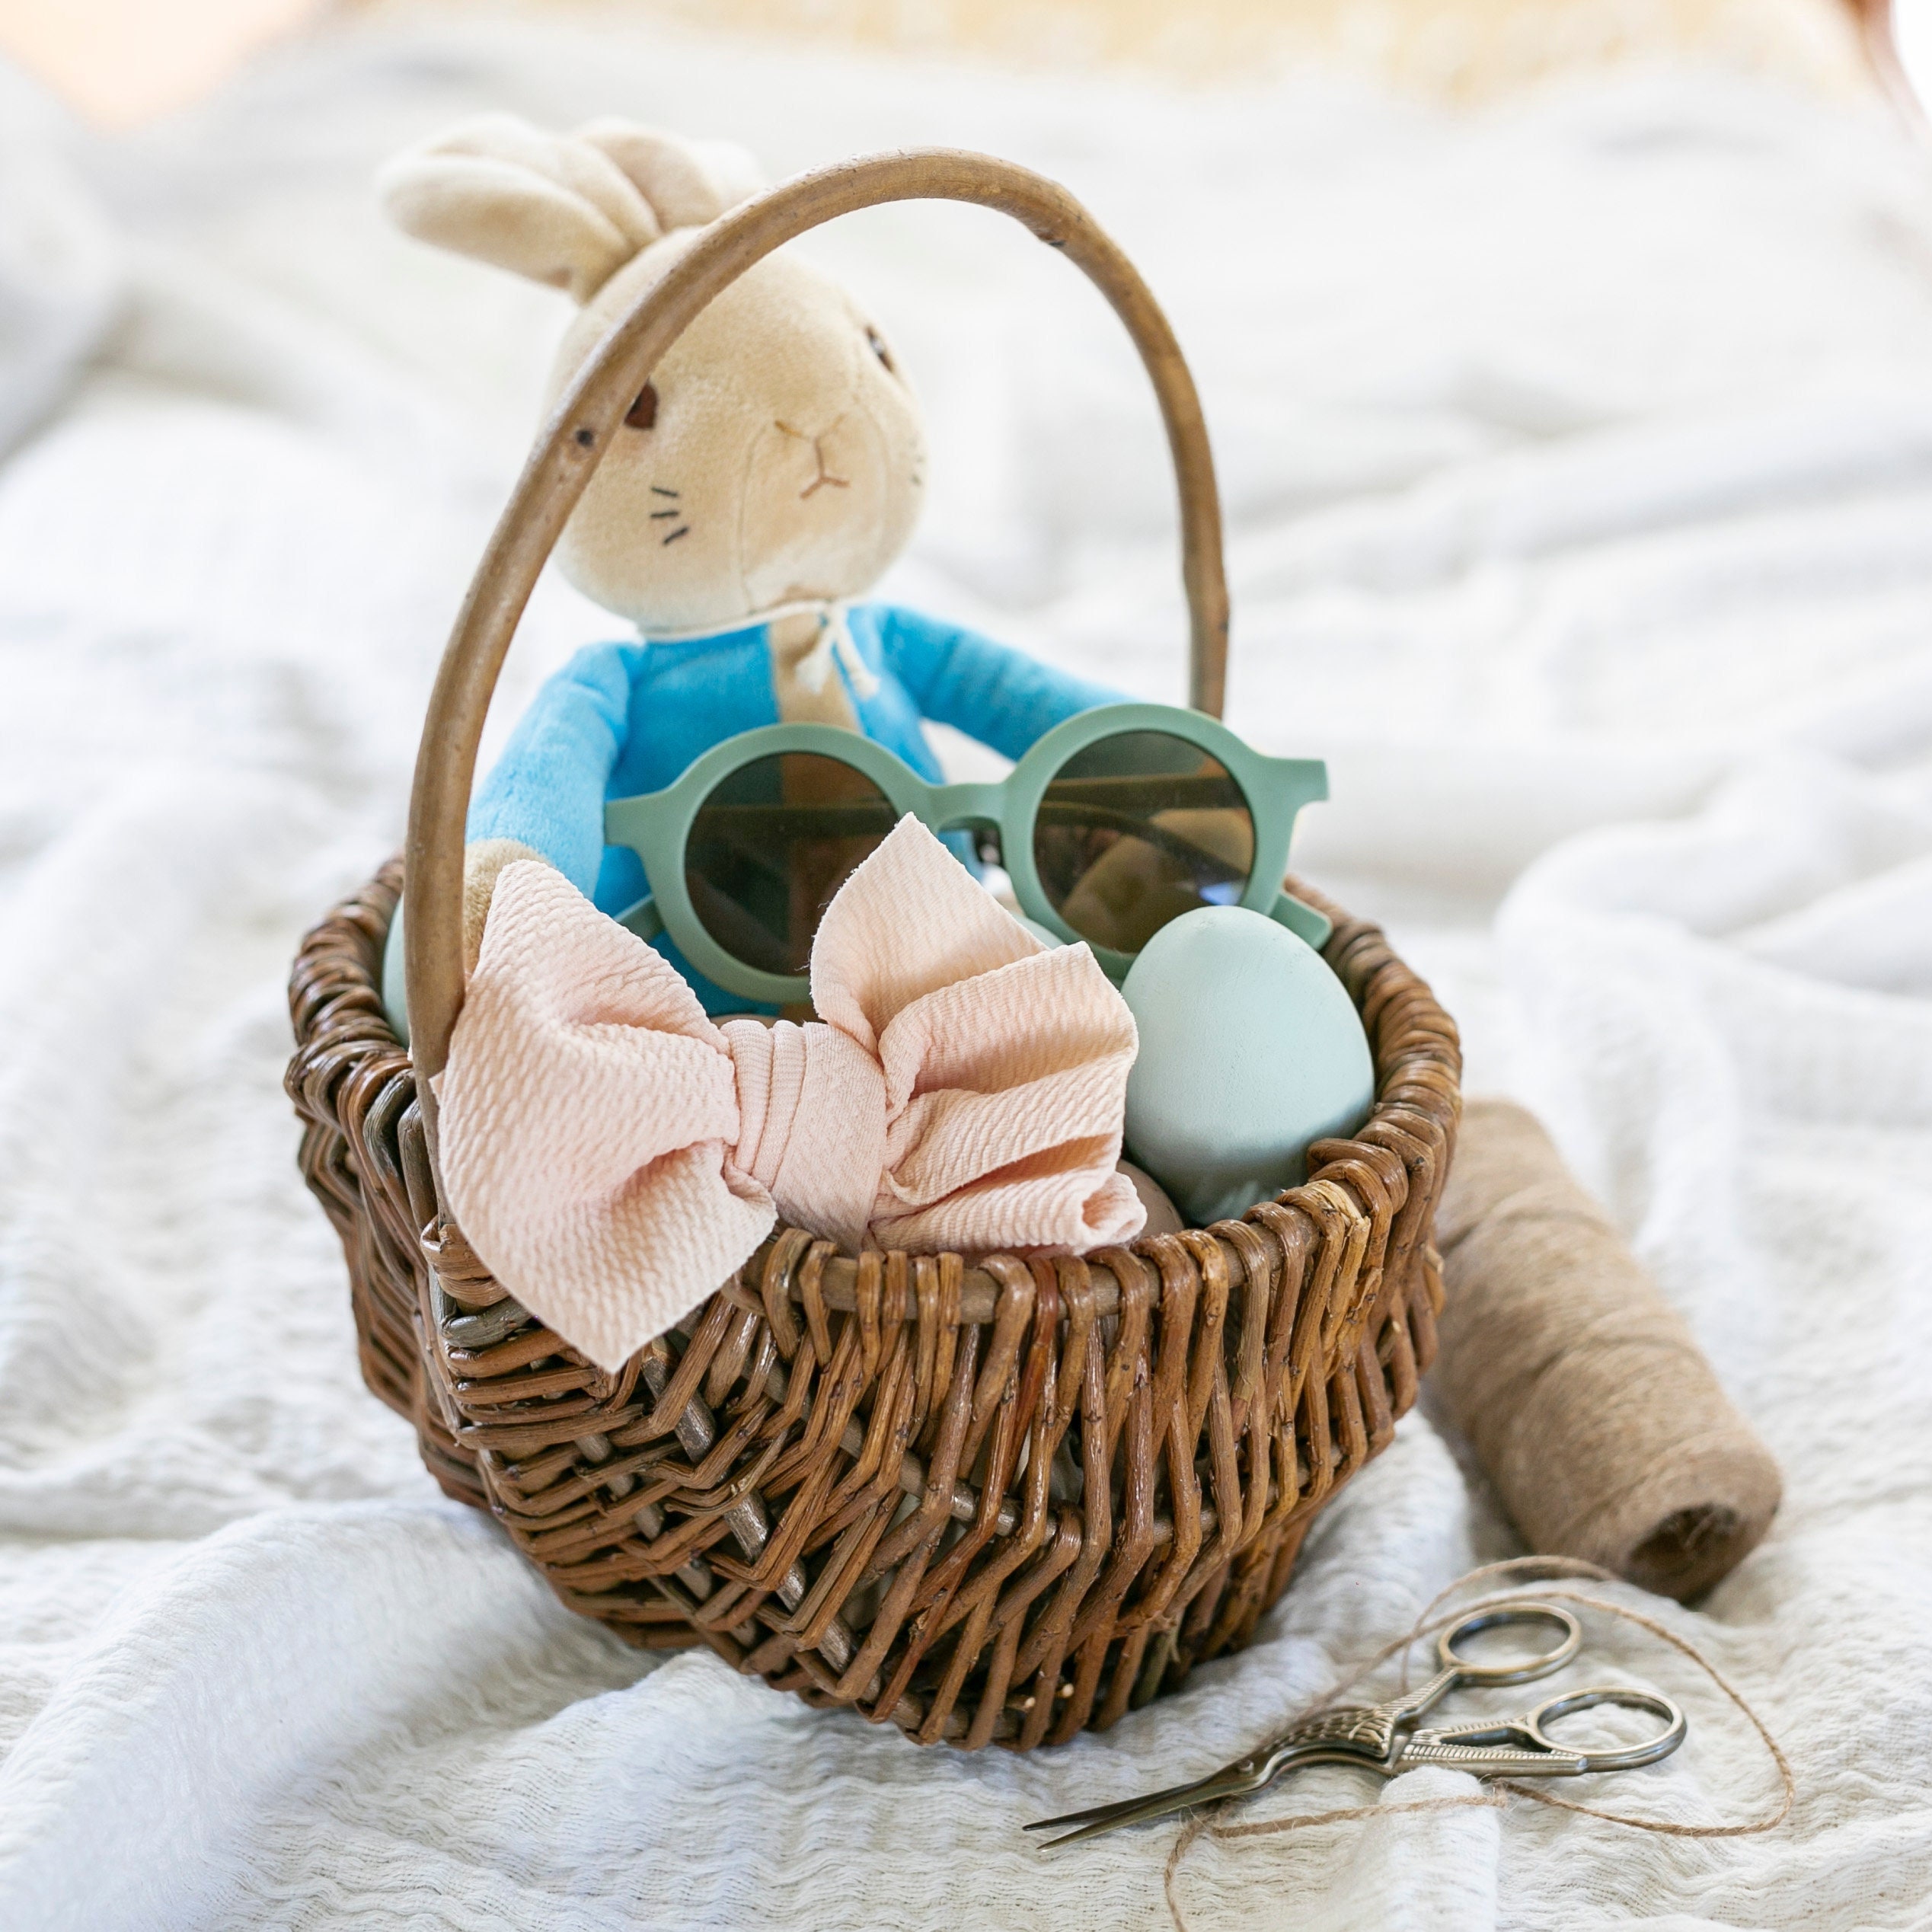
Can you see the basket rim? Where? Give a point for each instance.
(1437, 1073)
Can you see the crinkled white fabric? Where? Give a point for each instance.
(1579, 462)
(60, 264)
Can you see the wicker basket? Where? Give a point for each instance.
(993, 1500)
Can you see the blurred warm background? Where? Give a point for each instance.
(123, 61)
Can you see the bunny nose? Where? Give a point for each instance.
(826, 477)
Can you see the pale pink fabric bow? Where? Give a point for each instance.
(613, 1155)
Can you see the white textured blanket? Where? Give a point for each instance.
(1579, 466)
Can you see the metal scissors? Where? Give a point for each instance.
(1387, 1738)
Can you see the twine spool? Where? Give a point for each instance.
(1582, 1391)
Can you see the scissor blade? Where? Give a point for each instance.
(1139, 1811)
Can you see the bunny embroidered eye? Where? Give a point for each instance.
(642, 414)
(880, 349)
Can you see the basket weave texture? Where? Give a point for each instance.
(989, 1501)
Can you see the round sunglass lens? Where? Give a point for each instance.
(1137, 829)
(771, 844)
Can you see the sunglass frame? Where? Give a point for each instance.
(657, 825)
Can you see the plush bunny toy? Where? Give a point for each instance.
(766, 477)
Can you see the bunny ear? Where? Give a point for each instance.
(687, 183)
(556, 209)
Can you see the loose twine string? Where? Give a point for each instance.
(1523, 1569)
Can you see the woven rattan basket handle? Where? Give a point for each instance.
(589, 416)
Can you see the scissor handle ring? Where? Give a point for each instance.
(1628, 1759)
(1519, 1670)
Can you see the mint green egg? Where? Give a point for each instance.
(1249, 1049)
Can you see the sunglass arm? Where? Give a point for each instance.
(1302, 920)
(643, 919)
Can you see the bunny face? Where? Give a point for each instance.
(778, 455)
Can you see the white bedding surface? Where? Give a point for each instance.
(1579, 463)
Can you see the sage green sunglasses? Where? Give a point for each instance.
(1115, 823)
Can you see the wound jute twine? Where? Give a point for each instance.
(1581, 1391)
(1522, 1569)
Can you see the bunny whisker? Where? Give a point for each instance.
(658, 489)
(682, 530)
